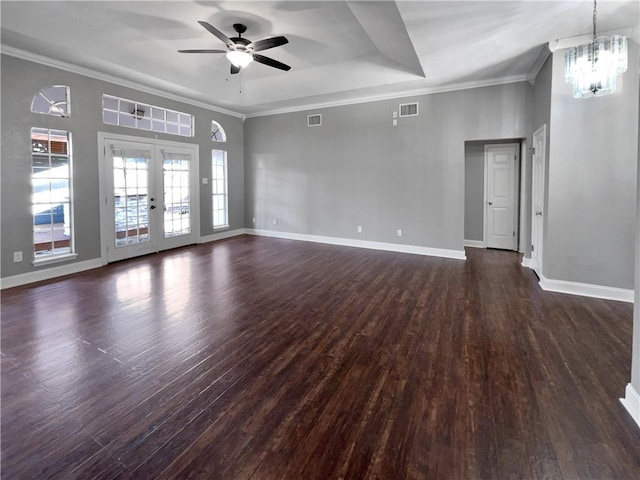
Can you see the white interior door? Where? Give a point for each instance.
(501, 199)
(537, 198)
(149, 192)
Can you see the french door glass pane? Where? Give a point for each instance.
(130, 197)
(177, 215)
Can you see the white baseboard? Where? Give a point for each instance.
(49, 273)
(349, 242)
(586, 290)
(526, 262)
(222, 235)
(631, 402)
(474, 243)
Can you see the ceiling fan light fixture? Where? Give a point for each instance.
(239, 58)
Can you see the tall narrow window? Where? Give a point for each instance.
(219, 188)
(51, 185)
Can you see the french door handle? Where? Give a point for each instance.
(539, 212)
(152, 207)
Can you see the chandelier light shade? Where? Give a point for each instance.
(239, 58)
(593, 68)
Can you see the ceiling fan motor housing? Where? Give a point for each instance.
(240, 43)
(240, 28)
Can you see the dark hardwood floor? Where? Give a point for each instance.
(258, 358)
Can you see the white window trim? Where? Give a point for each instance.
(225, 195)
(63, 257)
(60, 257)
(164, 120)
(67, 101)
(222, 131)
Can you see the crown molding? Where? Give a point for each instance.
(562, 43)
(87, 72)
(391, 96)
(22, 54)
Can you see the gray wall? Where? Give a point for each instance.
(593, 159)
(474, 191)
(635, 358)
(357, 169)
(21, 80)
(474, 187)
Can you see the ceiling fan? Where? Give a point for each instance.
(241, 51)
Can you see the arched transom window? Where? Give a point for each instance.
(53, 100)
(217, 132)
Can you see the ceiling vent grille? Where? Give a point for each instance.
(314, 120)
(408, 109)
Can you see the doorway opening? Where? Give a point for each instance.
(149, 198)
(493, 216)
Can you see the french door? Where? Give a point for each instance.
(149, 195)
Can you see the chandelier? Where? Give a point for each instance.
(594, 67)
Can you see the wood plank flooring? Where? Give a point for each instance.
(258, 358)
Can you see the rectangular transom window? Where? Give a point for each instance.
(219, 188)
(128, 113)
(51, 199)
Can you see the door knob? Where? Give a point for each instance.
(539, 213)
(152, 207)
(490, 202)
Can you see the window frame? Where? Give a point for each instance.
(50, 255)
(214, 193)
(144, 116)
(67, 101)
(216, 129)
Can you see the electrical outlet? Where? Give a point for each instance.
(399, 232)
(275, 221)
(205, 180)
(395, 122)
(17, 257)
(359, 228)
(253, 220)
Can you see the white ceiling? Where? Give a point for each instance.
(339, 51)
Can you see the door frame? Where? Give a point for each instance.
(522, 228)
(103, 139)
(537, 265)
(516, 192)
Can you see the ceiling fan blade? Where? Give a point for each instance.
(214, 31)
(268, 43)
(234, 69)
(270, 62)
(202, 51)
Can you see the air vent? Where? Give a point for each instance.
(314, 120)
(408, 109)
